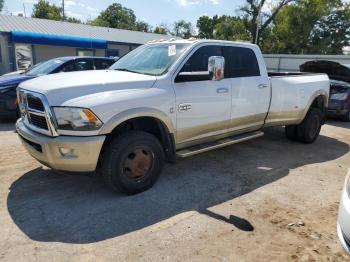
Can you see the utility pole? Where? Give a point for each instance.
(24, 10)
(258, 24)
(63, 18)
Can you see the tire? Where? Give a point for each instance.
(309, 130)
(291, 132)
(132, 162)
(346, 118)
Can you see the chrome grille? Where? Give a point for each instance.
(36, 113)
(35, 103)
(39, 121)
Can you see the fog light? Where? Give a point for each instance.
(66, 152)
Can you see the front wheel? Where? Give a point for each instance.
(132, 162)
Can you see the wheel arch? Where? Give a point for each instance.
(318, 100)
(149, 120)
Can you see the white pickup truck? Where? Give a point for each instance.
(161, 101)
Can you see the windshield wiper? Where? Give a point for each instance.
(128, 70)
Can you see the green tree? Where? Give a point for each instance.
(222, 27)
(332, 32)
(306, 22)
(231, 28)
(72, 20)
(116, 16)
(253, 8)
(183, 29)
(161, 29)
(45, 10)
(206, 26)
(143, 26)
(1, 5)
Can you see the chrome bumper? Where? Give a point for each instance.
(83, 156)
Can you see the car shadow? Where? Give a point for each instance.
(7, 125)
(52, 207)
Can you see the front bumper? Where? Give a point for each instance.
(46, 150)
(343, 227)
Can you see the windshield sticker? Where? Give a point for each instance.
(172, 50)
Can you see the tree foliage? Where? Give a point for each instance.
(1, 5)
(118, 16)
(222, 27)
(161, 29)
(45, 10)
(183, 29)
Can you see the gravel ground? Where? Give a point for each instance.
(232, 204)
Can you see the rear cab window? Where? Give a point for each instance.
(240, 62)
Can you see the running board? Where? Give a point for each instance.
(194, 150)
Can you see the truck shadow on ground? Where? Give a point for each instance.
(68, 208)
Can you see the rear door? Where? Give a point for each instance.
(250, 87)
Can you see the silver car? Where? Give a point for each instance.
(344, 216)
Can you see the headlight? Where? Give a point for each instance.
(76, 119)
(348, 183)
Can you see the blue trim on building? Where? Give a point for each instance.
(57, 40)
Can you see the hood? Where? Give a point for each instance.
(9, 80)
(334, 70)
(66, 86)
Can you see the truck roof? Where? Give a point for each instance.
(196, 41)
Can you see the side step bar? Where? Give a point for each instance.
(194, 150)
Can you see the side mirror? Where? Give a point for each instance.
(216, 67)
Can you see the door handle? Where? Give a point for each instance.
(222, 90)
(262, 86)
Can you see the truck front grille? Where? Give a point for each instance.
(36, 113)
(35, 103)
(39, 121)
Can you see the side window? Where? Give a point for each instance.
(102, 63)
(83, 64)
(199, 60)
(67, 67)
(240, 62)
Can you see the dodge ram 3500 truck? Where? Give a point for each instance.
(161, 101)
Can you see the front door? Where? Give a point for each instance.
(203, 106)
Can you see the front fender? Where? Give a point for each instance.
(134, 113)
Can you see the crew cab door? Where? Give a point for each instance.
(251, 91)
(203, 107)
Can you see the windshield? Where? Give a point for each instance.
(151, 59)
(44, 68)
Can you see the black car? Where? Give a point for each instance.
(9, 83)
(339, 98)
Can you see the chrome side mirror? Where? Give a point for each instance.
(216, 67)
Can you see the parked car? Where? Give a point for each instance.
(161, 101)
(339, 103)
(9, 83)
(344, 216)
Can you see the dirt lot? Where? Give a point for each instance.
(232, 204)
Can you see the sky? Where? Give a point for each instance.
(154, 12)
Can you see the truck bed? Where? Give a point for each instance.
(287, 74)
